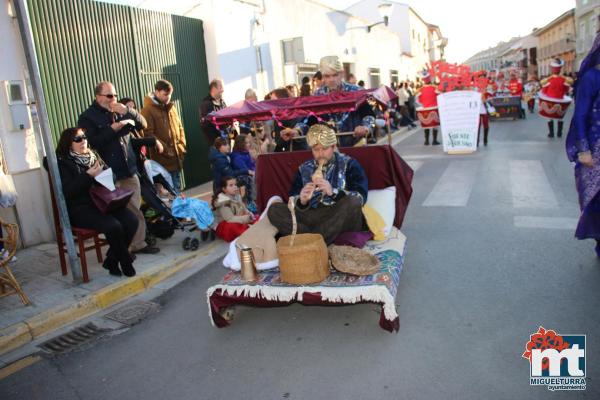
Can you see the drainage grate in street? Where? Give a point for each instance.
(73, 339)
(133, 312)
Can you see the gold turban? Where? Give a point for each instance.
(331, 63)
(321, 134)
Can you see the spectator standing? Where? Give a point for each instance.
(212, 102)
(317, 81)
(165, 126)
(305, 88)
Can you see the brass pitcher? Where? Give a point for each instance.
(248, 265)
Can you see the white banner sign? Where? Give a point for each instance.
(459, 120)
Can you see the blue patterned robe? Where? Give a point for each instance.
(344, 173)
(584, 135)
(344, 121)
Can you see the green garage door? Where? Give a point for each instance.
(80, 43)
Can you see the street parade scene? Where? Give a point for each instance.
(300, 199)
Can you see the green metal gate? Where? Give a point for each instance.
(82, 42)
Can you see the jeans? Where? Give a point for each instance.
(133, 183)
(176, 178)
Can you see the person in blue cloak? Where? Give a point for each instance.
(583, 144)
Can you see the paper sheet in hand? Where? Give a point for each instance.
(105, 178)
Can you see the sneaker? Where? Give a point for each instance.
(147, 250)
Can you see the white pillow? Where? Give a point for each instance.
(384, 202)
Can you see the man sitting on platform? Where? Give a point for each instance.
(329, 191)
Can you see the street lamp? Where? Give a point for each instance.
(385, 10)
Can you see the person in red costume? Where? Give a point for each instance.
(484, 115)
(427, 97)
(501, 86)
(515, 88)
(556, 86)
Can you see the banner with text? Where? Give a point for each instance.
(459, 119)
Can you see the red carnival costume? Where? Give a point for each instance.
(515, 87)
(553, 99)
(427, 113)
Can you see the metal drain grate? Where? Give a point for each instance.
(132, 313)
(73, 339)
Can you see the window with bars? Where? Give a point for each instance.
(293, 51)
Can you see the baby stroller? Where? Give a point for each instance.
(160, 221)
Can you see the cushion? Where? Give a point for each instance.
(261, 238)
(384, 202)
(354, 239)
(375, 222)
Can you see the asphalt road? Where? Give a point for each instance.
(490, 258)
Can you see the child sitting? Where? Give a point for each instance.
(232, 216)
(242, 160)
(221, 164)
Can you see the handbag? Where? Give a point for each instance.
(106, 200)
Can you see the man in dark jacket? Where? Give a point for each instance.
(212, 102)
(108, 125)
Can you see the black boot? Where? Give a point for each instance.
(435, 142)
(550, 128)
(478, 135)
(112, 265)
(560, 128)
(426, 137)
(485, 135)
(128, 269)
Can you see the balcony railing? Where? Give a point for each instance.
(554, 49)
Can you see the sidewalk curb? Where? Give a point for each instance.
(32, 328)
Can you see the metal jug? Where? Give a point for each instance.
(248, 265)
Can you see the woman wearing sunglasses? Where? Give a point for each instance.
(78, 166)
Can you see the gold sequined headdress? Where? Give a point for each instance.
(321, 134)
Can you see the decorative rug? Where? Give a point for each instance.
(337, 289)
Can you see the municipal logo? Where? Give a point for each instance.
(556, 361)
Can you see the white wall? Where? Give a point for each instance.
(21, 149)
(338, 34)
(232, 36)
(419, 41)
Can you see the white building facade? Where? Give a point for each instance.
(421, 42)
(586, 25)
(21, 151)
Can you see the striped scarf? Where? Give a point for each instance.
(86, 160)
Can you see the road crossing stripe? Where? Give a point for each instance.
(453, 189)
(523, 221)
(530, 186)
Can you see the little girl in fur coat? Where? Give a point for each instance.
(232, 216)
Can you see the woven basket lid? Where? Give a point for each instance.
(351, 260)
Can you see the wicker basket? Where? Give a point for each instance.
(351, 260)
(303, 258)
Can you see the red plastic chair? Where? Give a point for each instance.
(80, 236)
